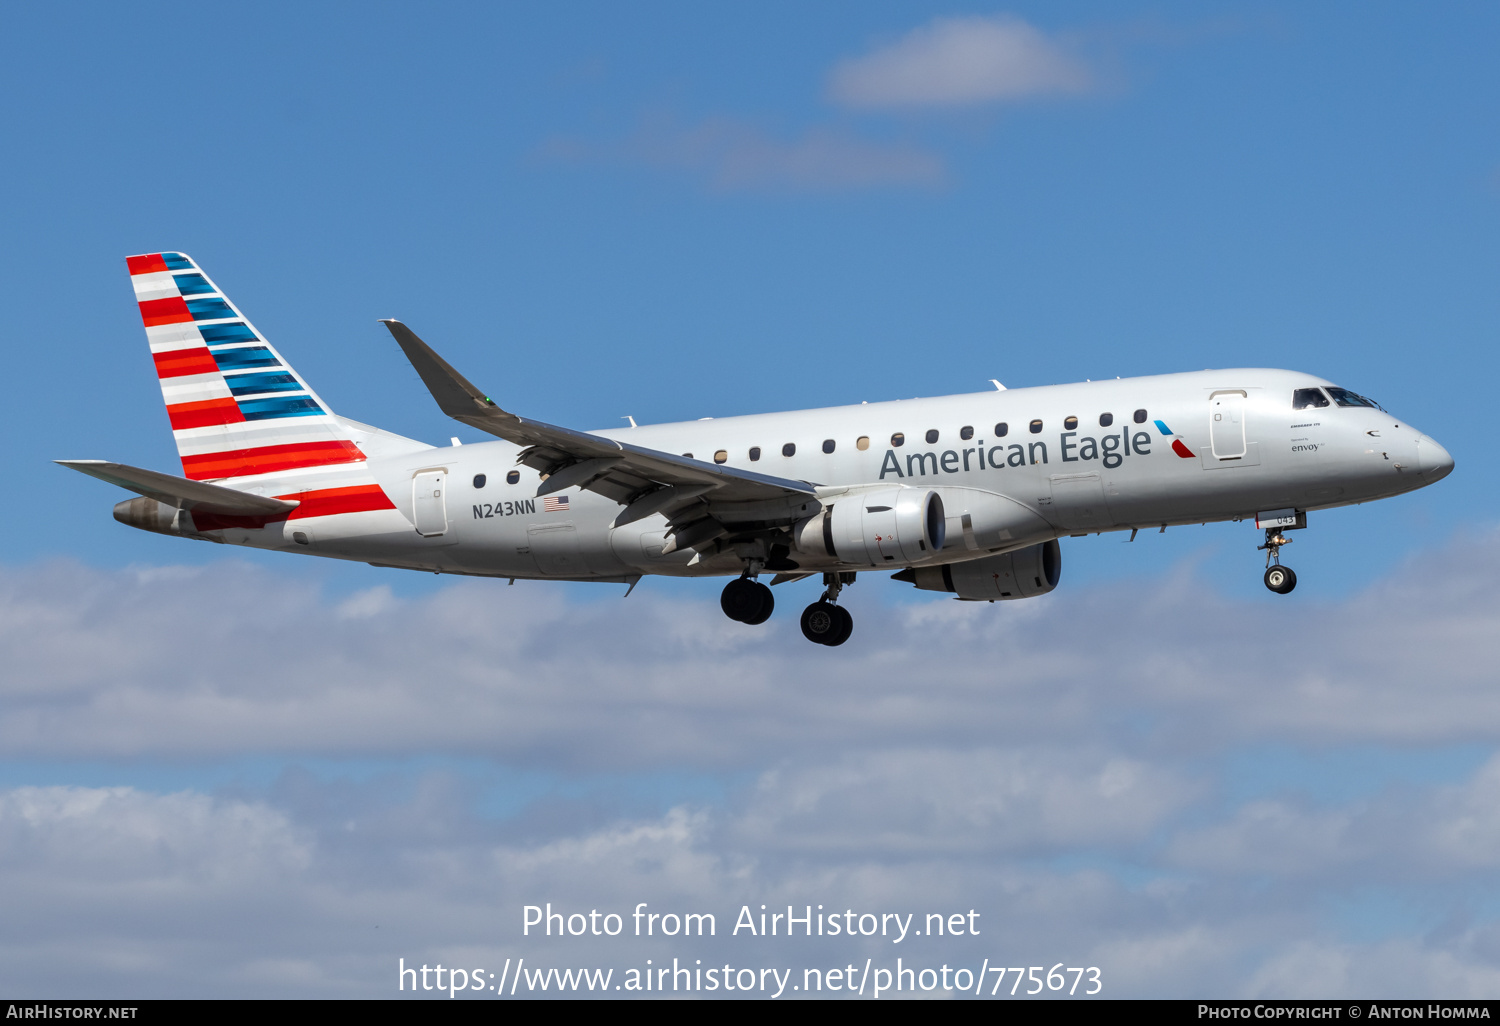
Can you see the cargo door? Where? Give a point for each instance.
(1078, 502)
(555, 549)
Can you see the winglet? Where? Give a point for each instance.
(455, 394)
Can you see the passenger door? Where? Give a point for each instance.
(1226, 424)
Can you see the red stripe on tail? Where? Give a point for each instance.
(207, 413)
(269, 459)
(148, 264)
(172, 310)
(181, 362)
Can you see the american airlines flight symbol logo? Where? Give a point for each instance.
(1177, 445)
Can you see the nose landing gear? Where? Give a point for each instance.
(824, 622)
(1280, 579)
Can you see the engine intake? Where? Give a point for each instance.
(1024, 573)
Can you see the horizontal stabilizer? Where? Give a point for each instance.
(179, 491)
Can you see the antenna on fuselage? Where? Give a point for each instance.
(998, 387)
(629, 418)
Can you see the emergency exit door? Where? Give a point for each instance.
(429, 502)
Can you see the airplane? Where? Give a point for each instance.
(965, 494)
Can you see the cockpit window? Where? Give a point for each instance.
(1309, 398)
(1344, 397)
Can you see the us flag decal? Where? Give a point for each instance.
(555, 504)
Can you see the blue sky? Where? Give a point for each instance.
(674, 211)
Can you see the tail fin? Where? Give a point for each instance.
(237, 408)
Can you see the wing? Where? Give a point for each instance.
(179, 491)
(702, 501)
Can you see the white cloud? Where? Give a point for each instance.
(1054, 763)
(954, 62)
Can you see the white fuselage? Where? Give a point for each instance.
(1240, 448)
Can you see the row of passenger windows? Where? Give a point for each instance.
(897, 440)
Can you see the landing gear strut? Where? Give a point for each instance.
(825, 622)
(1280, 579)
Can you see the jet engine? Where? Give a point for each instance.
(874, 527)
(1023, 573)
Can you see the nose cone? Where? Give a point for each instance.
(1434, 459)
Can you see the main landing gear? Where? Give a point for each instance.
(747, 600)
(825, 622)
(1280, 579)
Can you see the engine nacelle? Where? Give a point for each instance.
(876, 527)
(983, 521)
(1024, 573)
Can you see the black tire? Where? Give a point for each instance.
(845, 627)
(767, 602)
(739, 599)
(820, 621)
(1281, 579)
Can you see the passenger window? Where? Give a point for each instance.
(479, 480)
(966, 433)
(932, 437)
(828, 445)
(898, 440)
(1002, 429)
(1140, 416)
(722, 456)
(789, 449)
(1106, 419)
(513, 477)
(1309, 399)
(1070, 423)
(1036, 427)
(862, 443)
(755, 454)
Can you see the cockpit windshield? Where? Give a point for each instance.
(1308, 399)
(1344, 397)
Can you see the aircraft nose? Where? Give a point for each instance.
(1435, 461)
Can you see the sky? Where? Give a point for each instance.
(243, 774)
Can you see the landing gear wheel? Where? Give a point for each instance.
(845, 627)
(820, 622)
(1280, 579)
(747, 601)
(767, 603)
